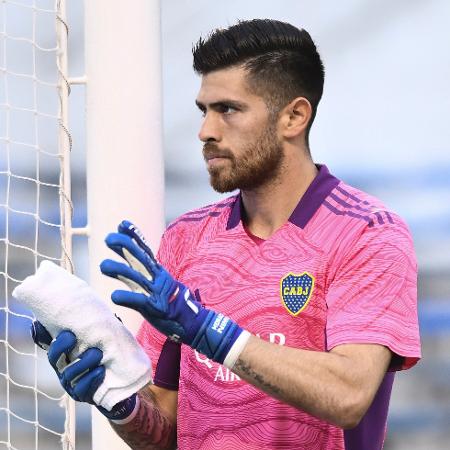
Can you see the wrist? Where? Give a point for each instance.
(236, 349)
(210, 333)
(220, 339)
(123, 412)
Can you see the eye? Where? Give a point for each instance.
(201, 107)
(226, 109)
(202, 111)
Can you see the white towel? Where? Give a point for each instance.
(62, 301)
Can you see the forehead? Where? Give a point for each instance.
(229, 83)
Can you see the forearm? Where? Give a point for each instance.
(153, 427)
(325, 384)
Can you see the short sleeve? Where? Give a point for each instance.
(372, 297)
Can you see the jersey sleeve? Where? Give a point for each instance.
(372, 297)
(150, 339)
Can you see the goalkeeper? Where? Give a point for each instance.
(294, 300)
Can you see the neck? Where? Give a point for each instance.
(270, 206)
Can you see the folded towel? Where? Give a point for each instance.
(62, 301)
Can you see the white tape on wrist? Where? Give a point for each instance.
(236, 350)
(129, 418)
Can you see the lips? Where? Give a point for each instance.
(215, 156)
(212, 152)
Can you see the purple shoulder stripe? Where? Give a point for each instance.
(348, 205)
(389, 217)
(379, 217)
(355, 199)
(206, 211)
(194, 219)
(348, 213)
(342, 202)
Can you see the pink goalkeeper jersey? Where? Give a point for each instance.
(341, 270)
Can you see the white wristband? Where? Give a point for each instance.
(236, 349)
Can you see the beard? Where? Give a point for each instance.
(259, 163)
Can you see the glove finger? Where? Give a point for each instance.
(139, 302)
(128, 228)
(136, 281)
(88, 384)
(135, 256)
(88, 360)
(40, 335)
(58, 352)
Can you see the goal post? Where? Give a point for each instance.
(125, 176)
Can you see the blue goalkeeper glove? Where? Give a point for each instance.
(166, 303)
(81, 377)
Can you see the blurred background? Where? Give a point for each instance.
(382, 126)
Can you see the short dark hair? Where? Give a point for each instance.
(282, 61)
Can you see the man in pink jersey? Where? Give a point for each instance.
(295, 299)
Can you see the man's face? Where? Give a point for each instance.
(241, 147)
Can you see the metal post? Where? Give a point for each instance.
(125, 178)
(64, 148)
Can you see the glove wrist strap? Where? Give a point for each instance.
(217, 337)
(124, 412)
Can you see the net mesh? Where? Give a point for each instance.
(33, 410)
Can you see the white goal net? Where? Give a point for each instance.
(34, 212)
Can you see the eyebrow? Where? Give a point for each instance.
(224, 102)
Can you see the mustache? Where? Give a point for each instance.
(211, 150)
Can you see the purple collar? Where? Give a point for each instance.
(310, 202)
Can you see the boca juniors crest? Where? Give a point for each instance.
(296, 291)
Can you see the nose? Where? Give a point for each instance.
(209, 130)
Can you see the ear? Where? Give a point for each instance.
(295, 117)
